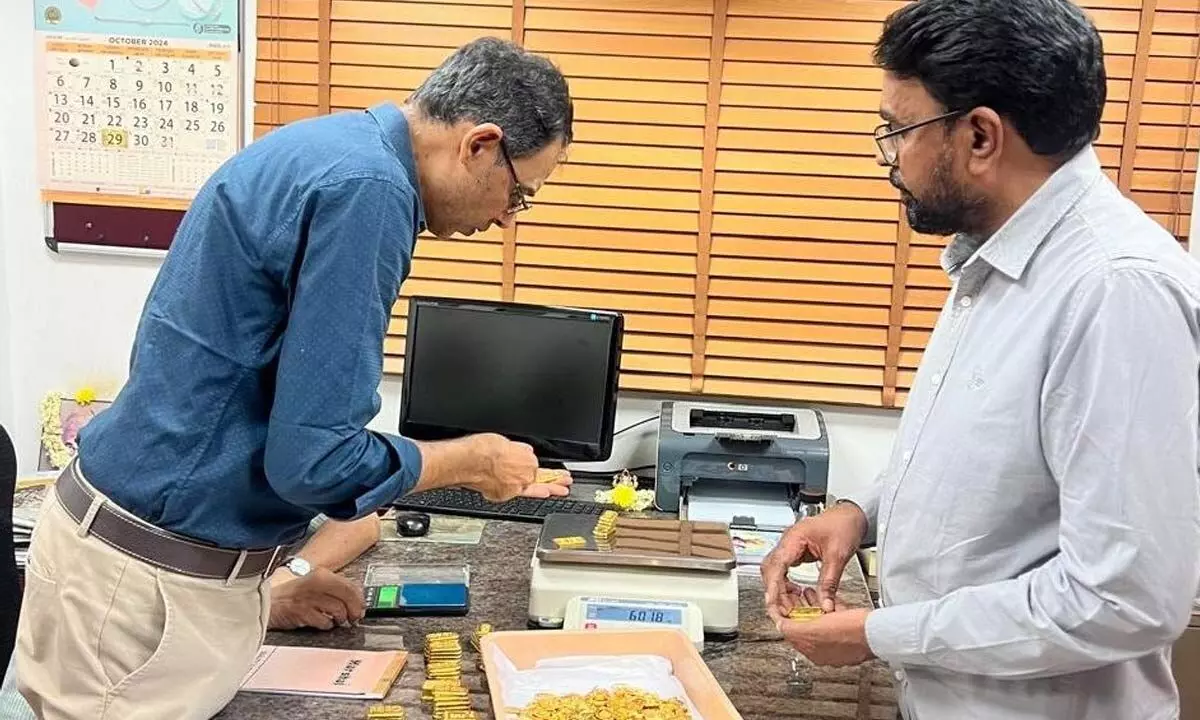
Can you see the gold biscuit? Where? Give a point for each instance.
(802, 613)
(483, 629)
(545, 475)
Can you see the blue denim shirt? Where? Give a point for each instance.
(258, 356)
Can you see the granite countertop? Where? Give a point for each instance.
(755, 670)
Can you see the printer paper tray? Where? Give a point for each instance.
(723, 500)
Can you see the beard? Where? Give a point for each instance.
(947, 208)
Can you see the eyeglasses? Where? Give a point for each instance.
(517, 202)
(888, 139)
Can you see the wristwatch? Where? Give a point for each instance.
(298, 566)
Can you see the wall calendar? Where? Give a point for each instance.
(139, 99)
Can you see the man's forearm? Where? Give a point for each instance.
(336, 544)
(449, 462)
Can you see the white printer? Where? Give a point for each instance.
(744, 450)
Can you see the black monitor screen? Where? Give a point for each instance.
(546, 376)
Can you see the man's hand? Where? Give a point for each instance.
(491, 464)
(506, 468)
(830, 538)
(836, 638)
(550, 483)
(320, 600)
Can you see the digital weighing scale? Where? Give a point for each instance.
(584, 588)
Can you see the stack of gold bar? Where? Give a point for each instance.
(443, 686)
(455, 699)
(606, 528)
(483, 629)
(386, 712)
(619, 703)
(443, 657)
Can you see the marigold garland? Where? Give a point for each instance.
(56, 449)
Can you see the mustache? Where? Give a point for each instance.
(894, 180)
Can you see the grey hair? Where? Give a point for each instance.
(496, 81)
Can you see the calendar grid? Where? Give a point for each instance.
(136, 117)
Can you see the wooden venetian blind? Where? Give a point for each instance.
(619, 226)
(722, 191)
(317, 56)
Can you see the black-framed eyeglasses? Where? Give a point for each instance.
(888, 139)
(517, 202)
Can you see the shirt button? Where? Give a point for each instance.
(907, 455)
(965, 301)
(936, 379)
(899, 675)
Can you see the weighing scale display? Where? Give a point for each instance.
(593, 613)
(419, 595)
(384, 597)
(633, 613)
(391, 589)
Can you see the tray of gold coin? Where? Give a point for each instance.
(522, 651)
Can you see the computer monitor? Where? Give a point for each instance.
(546, 376)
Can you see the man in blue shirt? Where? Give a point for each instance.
(254, 373)
(320, 600)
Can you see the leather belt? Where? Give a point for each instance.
(99, 516)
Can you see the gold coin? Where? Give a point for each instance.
(617, 704)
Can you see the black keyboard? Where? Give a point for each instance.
(454, 501)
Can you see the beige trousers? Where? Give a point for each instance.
(105, 636)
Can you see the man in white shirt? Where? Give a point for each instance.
(1038, 524)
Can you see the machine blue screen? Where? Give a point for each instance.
(437, 595)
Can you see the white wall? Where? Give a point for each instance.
(69, 320)
(6, 370)
(72, 318)
(1194, 231)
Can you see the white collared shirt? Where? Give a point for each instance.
(1038, 523)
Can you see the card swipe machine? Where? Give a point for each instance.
(775, 460)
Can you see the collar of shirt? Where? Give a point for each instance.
(1011, 248)
(395, 134)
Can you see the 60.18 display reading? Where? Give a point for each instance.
(637, 614)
